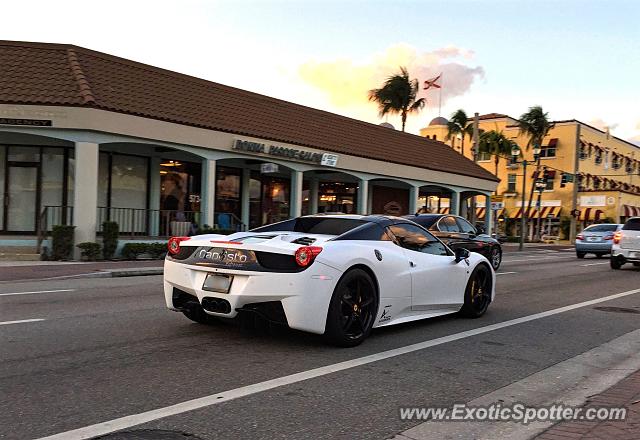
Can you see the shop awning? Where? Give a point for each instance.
(551, 211)
(443, 210)
(531, 213)
(631, 211)
(480, 213)
(589, 214)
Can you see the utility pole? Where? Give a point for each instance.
(574, 198)
(474, 152)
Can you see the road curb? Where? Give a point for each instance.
(111, 273)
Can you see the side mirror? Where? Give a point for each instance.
(461, 254)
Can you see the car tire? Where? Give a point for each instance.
(599, 255)
(477, 295)
(580, 254)
(352, 310)
(615, 263)
(495, 258)
(196, 313)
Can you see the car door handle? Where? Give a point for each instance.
(412, 264)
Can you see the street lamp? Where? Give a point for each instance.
(515, 154)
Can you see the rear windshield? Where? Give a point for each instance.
(632, 225)
(601, 228)
(314, 225)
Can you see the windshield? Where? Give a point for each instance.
(314, 225)
(425, 221)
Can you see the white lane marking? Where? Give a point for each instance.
(137, 419)
(37, 291)
(22, 321)
(594, 264)
(505, 273)
(538, 259)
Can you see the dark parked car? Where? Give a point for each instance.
(457, 232)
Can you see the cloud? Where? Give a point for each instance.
(602, 125)
(346, 83)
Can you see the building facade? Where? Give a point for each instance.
(605, 169)
(87, 137)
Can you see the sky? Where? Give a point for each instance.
(576, 58)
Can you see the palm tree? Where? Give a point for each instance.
(459, 125)
(536, 125)
(495, 143)
(398, 96)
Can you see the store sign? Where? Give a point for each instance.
(326, 159)
(26, 122)
(267, 168)
(495, 206)
(588, 201)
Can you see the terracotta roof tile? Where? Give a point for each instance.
(55, 74)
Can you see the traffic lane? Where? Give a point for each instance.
(364, 402)
(142, 360)
(67, 298)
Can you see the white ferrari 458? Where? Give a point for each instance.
(337, 275)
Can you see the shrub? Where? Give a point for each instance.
(132, 251)
(62, 242)
(157, 250)
(110, 234)
(89, 250)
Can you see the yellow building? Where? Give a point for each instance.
(607, 172)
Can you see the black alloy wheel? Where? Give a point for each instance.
(616, 262)
(352, 310)
(495, 258)
(477, 295)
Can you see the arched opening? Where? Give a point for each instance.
(35, 172)
(434, 199)
(329, 191)
(389, 197)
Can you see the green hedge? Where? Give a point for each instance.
(131, 251)
(89, 250)
(110, 235)
(62, 242)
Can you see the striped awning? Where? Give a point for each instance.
(631, 211)
(480, 213)
(588, 214)
(444, 210)
(544, 212)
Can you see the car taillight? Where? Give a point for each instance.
(579, 237)
(616, 237)
(306, 254)
(609, 237)
(173, 245)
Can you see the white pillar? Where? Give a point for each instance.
(245, 205)
(314, 189)
(85, 193)
(208, 198)
(363, 197)
(488, 215)
(454, 202)
(414, 202)
(295, 209)
(154, 196)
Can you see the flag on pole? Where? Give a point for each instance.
(433, 82)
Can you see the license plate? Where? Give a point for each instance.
(217, 283)
(593, 238)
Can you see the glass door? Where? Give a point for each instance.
(21, 198)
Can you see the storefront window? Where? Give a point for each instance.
(24, 154)
(129, 181)
(52, 176)
(103, 179)
(275, 199)
(228, 192)
(255, 200)
(3, 154)
(337, 197)
(180, 184)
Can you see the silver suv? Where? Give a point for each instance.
(626, 244)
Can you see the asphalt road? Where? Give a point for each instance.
(108, 348)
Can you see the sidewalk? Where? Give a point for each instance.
(12, 271)
(625, 393)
